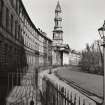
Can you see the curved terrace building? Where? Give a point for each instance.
(21, 45)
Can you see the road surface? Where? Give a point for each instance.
(90, 82)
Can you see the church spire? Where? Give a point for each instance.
(58, 7)
(58, 32)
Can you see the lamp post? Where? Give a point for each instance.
(102, 35)
(50, 69)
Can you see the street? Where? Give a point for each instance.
(90, 82)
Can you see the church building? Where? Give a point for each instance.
(60, 54)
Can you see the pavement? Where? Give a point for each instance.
(26, 92)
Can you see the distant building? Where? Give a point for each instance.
(60, 50)
(74, 57)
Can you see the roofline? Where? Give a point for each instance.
(33, 25)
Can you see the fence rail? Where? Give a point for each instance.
(53, 94)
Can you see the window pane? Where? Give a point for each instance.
(7, 18)
(15, 29)
(1, 11)
(12, 24)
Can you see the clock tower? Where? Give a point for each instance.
(57, 32)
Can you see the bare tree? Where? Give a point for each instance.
(91, 57)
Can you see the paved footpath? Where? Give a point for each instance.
(26, 92)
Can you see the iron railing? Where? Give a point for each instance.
(53, 94)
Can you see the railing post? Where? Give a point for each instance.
(36, 82)
(67, 101)
(62, 93)
(59, 96)
(83, 101)
(57, 93)
(79, 101)
(65, 96)
(75, 100)
(71, 98)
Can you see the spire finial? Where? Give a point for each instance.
(58, 7)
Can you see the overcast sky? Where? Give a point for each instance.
(81, 19)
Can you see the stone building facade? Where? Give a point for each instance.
(21, 43)
(74, 57)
